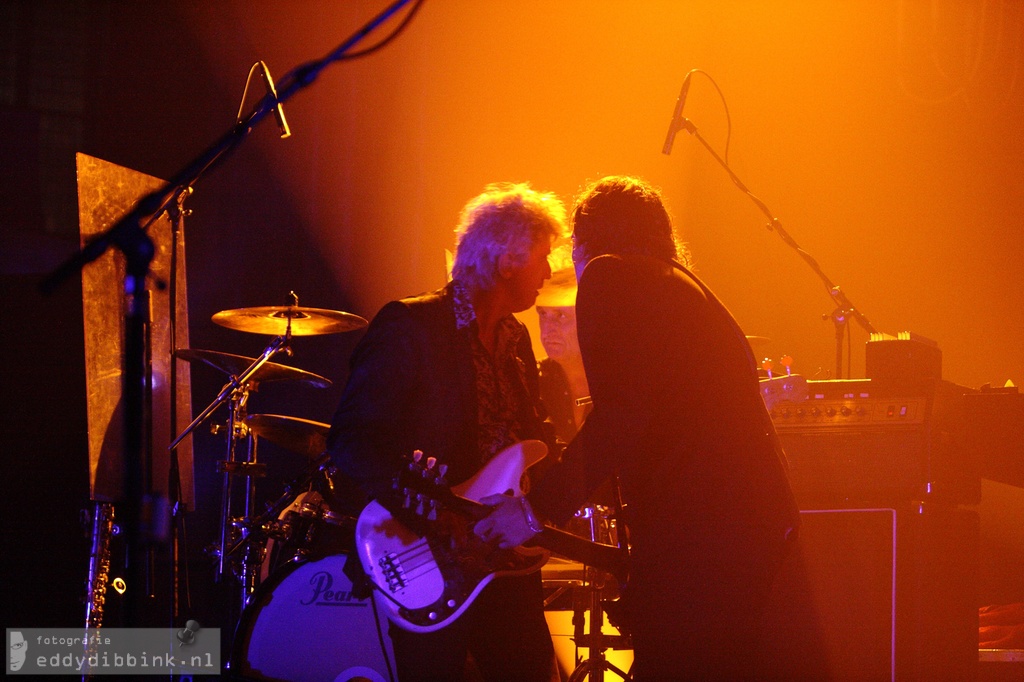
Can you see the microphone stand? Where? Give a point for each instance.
(844, 308)
(176, 213)
(128, 235)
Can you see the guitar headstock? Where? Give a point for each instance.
(421, 483)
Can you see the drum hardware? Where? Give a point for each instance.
(308, 437)
(590, 599)
(597, 595)
(290, 319)
(236, 393)
(300, 510)
(302, 436)
(234, 365)
(287, 321)
(249, 469)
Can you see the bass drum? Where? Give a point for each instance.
(304, 625)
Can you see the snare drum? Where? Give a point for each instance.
(304, 625)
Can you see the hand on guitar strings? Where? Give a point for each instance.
(510, 523)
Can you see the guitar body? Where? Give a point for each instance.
(429, 570)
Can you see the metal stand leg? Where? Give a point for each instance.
(234, 531)
(592, 668)
(590, 598)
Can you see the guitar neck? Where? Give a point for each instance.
(605, 557)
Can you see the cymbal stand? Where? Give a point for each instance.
(279, 344)
(249, 469)
(236, 392)
(590, 598)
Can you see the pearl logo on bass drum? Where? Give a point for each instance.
(283, 630)
(324, 594)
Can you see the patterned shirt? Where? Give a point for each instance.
(500, 377)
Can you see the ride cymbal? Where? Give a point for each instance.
(236, 364)
(274, 320)
(302, 436)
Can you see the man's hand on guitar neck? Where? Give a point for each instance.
(510, 523)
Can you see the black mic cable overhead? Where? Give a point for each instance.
(679, 122)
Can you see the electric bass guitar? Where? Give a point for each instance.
(418, 548)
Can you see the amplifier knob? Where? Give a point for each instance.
(831, 411)
(845, 411)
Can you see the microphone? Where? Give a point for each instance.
(677, 115)
(282, 123)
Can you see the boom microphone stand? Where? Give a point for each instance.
(128, 236)
(844, 308)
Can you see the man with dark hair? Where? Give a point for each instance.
(452, 373)
(678, 417)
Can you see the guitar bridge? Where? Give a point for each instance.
(393, 572)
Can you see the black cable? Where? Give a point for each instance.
(380, 637)
(725, 105)
(387, 39)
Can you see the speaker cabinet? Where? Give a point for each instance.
(877, 594)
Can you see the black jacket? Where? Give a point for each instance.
(412, 386)
(677, 413)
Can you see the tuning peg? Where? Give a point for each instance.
(417, 455)
(431, 462)
(407, 502)
(767, 365)
(441, 471)
(432, 516)
(419, 505)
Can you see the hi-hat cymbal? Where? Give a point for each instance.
(303, 436)
(758, 341)
(236, 364)
(273, 320)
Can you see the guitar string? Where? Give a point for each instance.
(422, 549)
(416, 546)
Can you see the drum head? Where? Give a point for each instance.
(304, 625)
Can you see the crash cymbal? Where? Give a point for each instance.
(273, 320)
(236, 364)
(758, 341)
(303, 436)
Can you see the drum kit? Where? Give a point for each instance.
(289, 559)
